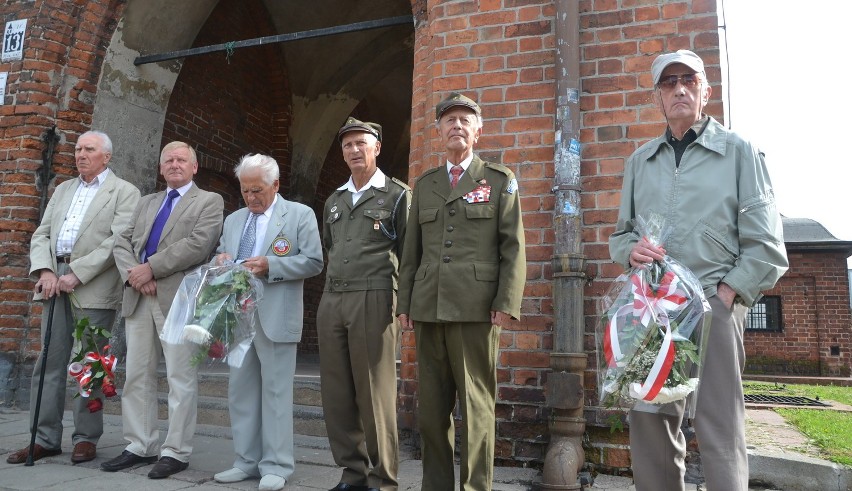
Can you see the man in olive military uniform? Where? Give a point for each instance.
(364, 223)
(462, 277)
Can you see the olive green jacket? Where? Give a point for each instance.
(464, 248)
(364, 241)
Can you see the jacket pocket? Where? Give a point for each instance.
(427, 215)
(377, 214)
(473, 212)
(376, 229)
(720, 245)
(485, 271)
(421, 272)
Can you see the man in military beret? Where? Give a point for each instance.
(461, 279)
(364, 223)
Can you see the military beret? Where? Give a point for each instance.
(353, 124)
(453, 100)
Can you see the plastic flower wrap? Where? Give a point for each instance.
(214, 308)
(92, 367)
(651, 333)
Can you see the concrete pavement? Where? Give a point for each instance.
(777, 460)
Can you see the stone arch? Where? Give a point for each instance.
(286, 99)
(326, 78)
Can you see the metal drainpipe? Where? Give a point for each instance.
(565, 456)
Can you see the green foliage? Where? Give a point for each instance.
(830, 430)
(221, 300)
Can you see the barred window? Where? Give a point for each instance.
(765, 315)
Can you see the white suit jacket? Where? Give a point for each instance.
(293, 248)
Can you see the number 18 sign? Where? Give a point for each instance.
(13, 40)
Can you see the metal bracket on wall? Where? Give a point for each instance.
(45, 173)
(279, 38)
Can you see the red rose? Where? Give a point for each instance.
(108, 389)
(95, 405)
(216, 350)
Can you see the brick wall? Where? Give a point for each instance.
(227, 107)
(815, 310)
(501, 53)
(54, 85)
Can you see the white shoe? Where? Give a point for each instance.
(231, 475)
(271, 482)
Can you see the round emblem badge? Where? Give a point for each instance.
(380, 201)
(281, 246)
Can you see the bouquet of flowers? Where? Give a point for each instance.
(92, 367)
(214, 308)
(651, 333)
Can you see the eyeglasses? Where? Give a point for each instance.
(689, 80)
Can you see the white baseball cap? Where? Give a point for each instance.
(684, 56)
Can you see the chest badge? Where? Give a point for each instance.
(333, 208)
(482, 194)
(281, 246)
(380, 201)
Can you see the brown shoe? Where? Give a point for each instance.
(39, 452)
(84, 452)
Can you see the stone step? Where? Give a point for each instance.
(213, 397)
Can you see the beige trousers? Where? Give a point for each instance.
(139, 397)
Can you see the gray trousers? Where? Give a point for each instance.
(88, 426)
(657, 444)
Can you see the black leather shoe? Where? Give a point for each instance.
(125, 460)
(167, 466)
(348, 487)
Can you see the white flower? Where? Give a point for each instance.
(196, 334)
(667, 394)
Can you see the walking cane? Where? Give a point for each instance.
(44, 349)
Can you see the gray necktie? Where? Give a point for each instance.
(247, 242)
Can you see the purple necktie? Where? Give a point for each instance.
(159, 223)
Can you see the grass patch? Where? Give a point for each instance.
(830, 430)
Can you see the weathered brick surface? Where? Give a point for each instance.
(52, 86)
(816, 338)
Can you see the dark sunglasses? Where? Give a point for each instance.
(689, 80)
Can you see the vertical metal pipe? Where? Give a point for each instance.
(565, 456)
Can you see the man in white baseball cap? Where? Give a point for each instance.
(725, 227)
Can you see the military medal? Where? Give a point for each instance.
(376, 225)
(333, 208)
(482, 194)
(380, 201)
(281, 246)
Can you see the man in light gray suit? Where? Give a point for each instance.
(171, 233)
(71, 251)
(279, 242)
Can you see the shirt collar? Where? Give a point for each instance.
(377, 181)
(98, 178)
(697, 128)
(268, 212)
(181, 190)
(464, 163)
